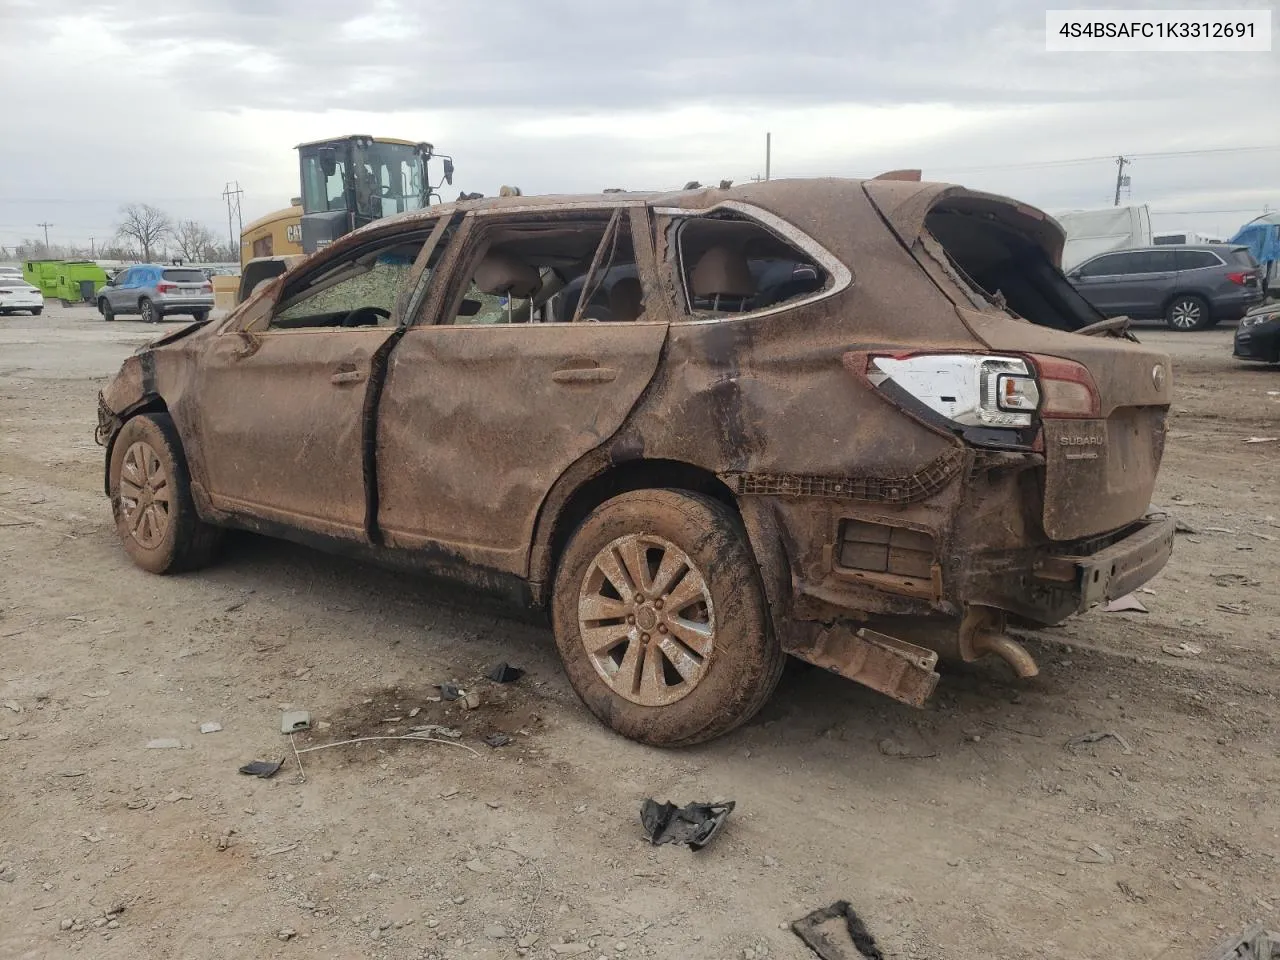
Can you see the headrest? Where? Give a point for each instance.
(626, 299)
(500, 274)
(722, 272)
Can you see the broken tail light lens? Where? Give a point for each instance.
(968, 389)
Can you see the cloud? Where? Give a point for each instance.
(574, 95)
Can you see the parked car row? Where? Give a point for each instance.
(1189, 286)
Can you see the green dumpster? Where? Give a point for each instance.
(78, 281)
(42, 274)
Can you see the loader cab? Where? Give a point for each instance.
(350, 181)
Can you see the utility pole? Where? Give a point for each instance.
(768, 153)
(1121, 179)
(46, 234)
(232, 195)
(93, 250)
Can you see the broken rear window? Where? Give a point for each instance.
(732, 264)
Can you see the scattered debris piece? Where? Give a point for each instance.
(1227, 530)
(1239, 609)
(892, 748)
(262, 769)
(505, 673)
(450, 691)
(414, 712)
(392, 719)
(213, 726)
(472, 700)
(1180, 526)
(1130, 894)
(477, 866)
(1261, 439)
(12, 705)
(694, 825)
(823, 930)
(1098, 736)
(433, 729)
(96, 694)
(278, 850)
(287, 934)
(1254, 943)
(1235, 580)
(570, 949)
(233, 607)
(420, 738)
(140, 803)
(1095, 853)
(496, 740)
(1127, 602)
(174, 796)
(1183, 649)
(165, 743)
(495, 931)
(295, 721)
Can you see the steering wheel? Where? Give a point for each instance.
(365, 317)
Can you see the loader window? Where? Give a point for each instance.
(321, 194)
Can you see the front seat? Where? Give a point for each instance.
(502, 275)
(723, 277)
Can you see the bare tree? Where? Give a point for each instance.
(145, 225)
(194, 240)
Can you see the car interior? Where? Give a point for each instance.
(1007, 270)
(733, 265)
(537, 273)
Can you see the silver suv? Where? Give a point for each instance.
(1190, 286)
(152, 291)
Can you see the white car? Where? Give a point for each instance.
(16, 294)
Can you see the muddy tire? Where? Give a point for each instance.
(688, 652)
(150, 490)
(1188, 312)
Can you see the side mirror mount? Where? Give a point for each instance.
(448, 170)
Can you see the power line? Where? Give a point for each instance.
(1110, 158)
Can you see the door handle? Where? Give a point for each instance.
(347, 376)
(585, 375)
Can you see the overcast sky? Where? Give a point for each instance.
(107, 103)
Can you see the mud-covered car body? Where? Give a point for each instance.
(894, 508)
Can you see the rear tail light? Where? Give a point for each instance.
(1067, 389)
(166, 287)
(1240, 279)
(976, 390)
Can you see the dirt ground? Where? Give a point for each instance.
(992, 838)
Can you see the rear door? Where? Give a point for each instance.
(479, 415)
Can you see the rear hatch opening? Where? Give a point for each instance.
(998, 262)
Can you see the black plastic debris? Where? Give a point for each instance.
(263, 769)
(693, 825)
(830, 931)
(505, 673)
(496, 740)
(449, 691)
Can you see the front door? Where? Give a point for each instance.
(281, 400)
(480, 416)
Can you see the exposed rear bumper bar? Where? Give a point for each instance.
(1126, 564)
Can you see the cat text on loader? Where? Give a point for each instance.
(347, 182)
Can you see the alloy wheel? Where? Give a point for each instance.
(144, 494)
(647, 620)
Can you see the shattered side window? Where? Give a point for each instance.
(365, 296)
(731, 265)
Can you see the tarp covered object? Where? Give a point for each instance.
(1262, 237)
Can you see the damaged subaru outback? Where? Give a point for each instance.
(867, 424)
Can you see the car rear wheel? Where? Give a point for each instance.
(104, 308)
(1188, 312)
(37, 311)
(150, 313)
(200, 316)
(661, 620)
(150, 490)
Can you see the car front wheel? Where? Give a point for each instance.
(150, 490)
(1188, 313)
(104, 308)
(661, 620)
